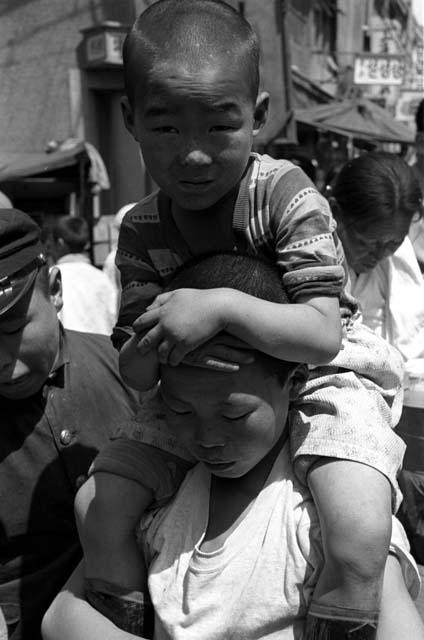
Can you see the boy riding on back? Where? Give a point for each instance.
(191, 73)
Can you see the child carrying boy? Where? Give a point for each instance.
(191, 73)
(237, 552)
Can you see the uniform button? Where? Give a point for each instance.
(80, 480)
(65, 437)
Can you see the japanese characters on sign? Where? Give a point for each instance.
(379, 69)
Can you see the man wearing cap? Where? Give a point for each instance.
(61, 398)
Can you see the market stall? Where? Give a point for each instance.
(66, 179)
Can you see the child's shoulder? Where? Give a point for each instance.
(268, 172)
(146, 210)
(265, 165)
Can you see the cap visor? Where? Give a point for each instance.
(9, 296)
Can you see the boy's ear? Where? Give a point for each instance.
(261, 111)
(299, 376)
(55, 288)
(127, 114)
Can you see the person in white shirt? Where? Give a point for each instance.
(90, 301)
(238, 551)
(109, 266)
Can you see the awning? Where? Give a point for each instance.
(357, 118)
(14, 166)
(21, 165)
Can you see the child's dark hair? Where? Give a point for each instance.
(252, 275)
(73, 231)
(249, 274)
(377, 186)
(167, 24)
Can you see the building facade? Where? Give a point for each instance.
(61, 72)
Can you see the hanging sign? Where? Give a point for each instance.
(103, 45)
(373, 68)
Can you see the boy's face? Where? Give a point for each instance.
(195, 127)
(228, 421)
(29, 342)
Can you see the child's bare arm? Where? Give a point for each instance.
(181, 320)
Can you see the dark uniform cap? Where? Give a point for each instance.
(21, 256)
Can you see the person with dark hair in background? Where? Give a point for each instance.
(61, 398)
(416, 233)
(89, 298)
(374, 199)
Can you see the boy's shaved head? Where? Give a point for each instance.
(192, 31)
(250, 274)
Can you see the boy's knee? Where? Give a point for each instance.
(361, 549)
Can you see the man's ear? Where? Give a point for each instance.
(55, 288)
(128, 115)
(261, 111)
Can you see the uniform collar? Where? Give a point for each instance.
(56, 374)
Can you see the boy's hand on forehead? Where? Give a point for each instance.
(179, 321)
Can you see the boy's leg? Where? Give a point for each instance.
(354, 506)
(108, 508)
(131, 611)
(127, 478)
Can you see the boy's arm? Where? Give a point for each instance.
(140, 284)
(179, 321)
(70, 617)
(138, 370)
(308, 331)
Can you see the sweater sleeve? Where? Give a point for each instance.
(308, 250)
(140, 280)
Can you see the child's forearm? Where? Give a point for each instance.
(307, 332)
(140, 372)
